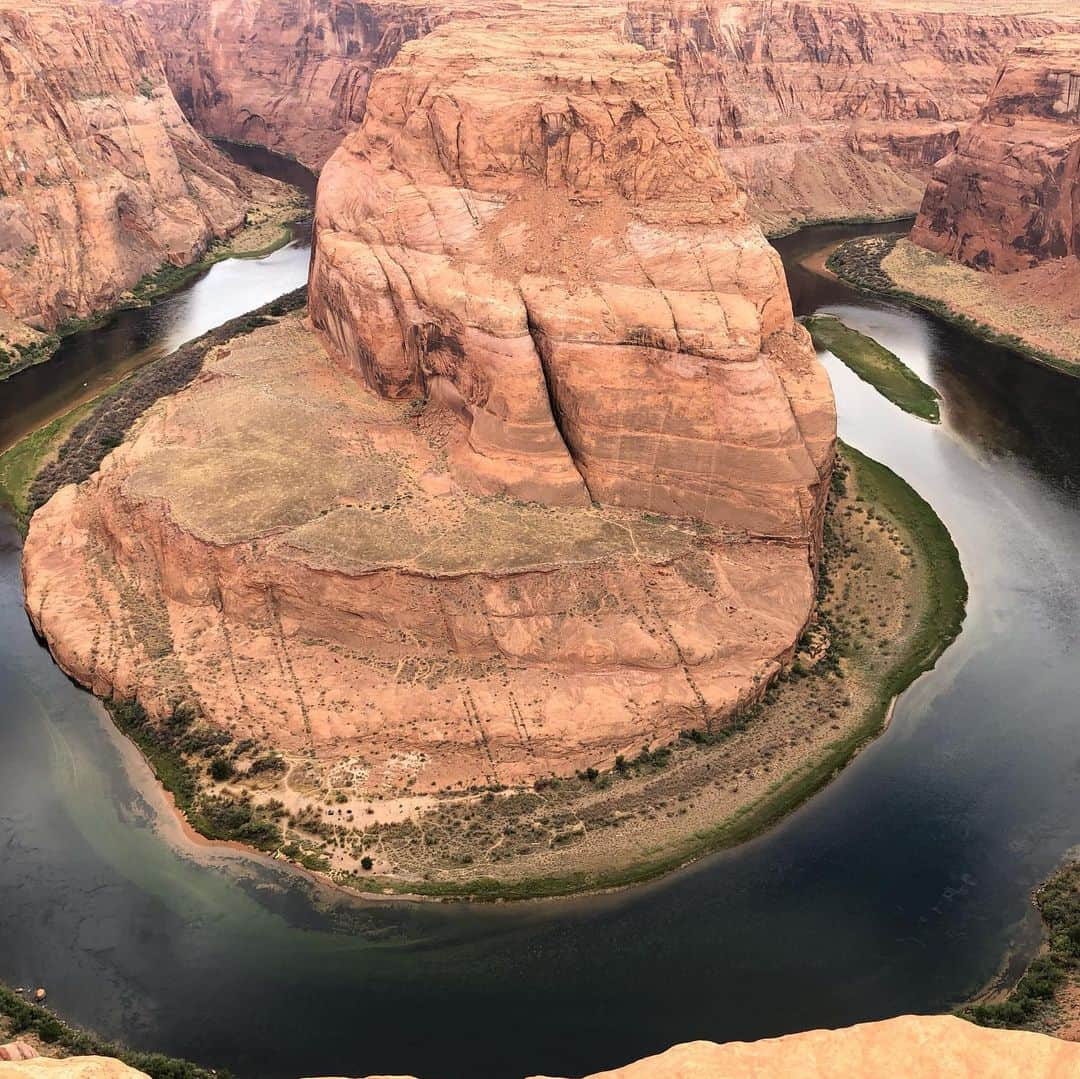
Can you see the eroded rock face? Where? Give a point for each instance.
(529, 230)
(292, 75)
(557, 494)
(833, 110)
(1009, 197)
(102, 178)
(819, 109)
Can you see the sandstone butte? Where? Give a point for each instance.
(553, 490)
(916, 1047)
(819, 109)
(102, 179)
(1008, 198)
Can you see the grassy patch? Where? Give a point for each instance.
(1058, 901)
(858, 263)
(944, 594)
(25, 1018)
(875, 364)
(22, 462)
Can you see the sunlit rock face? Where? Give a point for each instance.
(1009, 197)
(529, 229)
(102, 179)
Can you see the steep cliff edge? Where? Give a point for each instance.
(821, 109)
(1009, 197)
(917, 1047)
(102, 180)
(833, 109)
(556, 493)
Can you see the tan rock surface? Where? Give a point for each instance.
(69, 1068)
(102, 178)
(1009, 197)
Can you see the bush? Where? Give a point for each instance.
(221, 769)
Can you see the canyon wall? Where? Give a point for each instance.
(529, 229)
(577, 507)
(1009, 197)
(102, 179)
(917, 1047)
(291, 75)
(819, 109)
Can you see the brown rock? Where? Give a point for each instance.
(102, 178)
(1009, 197)
(16, 1051)
(70, 1068)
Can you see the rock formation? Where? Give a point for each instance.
(819, 108)
(559, 492)
(917, 1047)
(1009, 197)
(101, 178)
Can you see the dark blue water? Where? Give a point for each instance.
(902, 887)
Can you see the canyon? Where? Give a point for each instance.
(919, 1047)
(550, 446)
(819, 110)
(102, 178)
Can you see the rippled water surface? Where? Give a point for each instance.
(901, 887)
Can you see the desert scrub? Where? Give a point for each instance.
(1058, 901)
(26, 1018)
(875, 364)
(80, 455)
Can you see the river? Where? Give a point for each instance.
(901, 887)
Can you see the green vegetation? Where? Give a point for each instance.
(1058, 901)
(858, 263)
(944, 593)
(168, 747)
(876, 365)
(15, 357)
(22, 462)
(25, 1018)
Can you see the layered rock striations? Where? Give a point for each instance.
(291, 75)
(820, 108)
(101, 177)
(1009, 197)
(831, 109)
(557, 490)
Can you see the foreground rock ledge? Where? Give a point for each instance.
(557, 492)
(916, 1047)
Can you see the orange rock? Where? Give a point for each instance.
(1009, 197)
(103, 179)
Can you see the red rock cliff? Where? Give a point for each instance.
(101, 177)
(827, 109)
(528, 228)
(1009, 197)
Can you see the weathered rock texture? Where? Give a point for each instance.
(101, 177)
(1009, 197)
(292, 75)
(820, 109)
(833, 109)
(559, 492)
(917, 1047)
(528, 229)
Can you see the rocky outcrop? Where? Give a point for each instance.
(835, 109)
(917, 1047)
(1009, 197)
(102, 180)
(292, 75)
(819, 109)
(556, 494)
(529, 230)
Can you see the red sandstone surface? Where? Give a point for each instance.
(102, 177)
(555, 494)
(1008, 199)
(819, 109)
